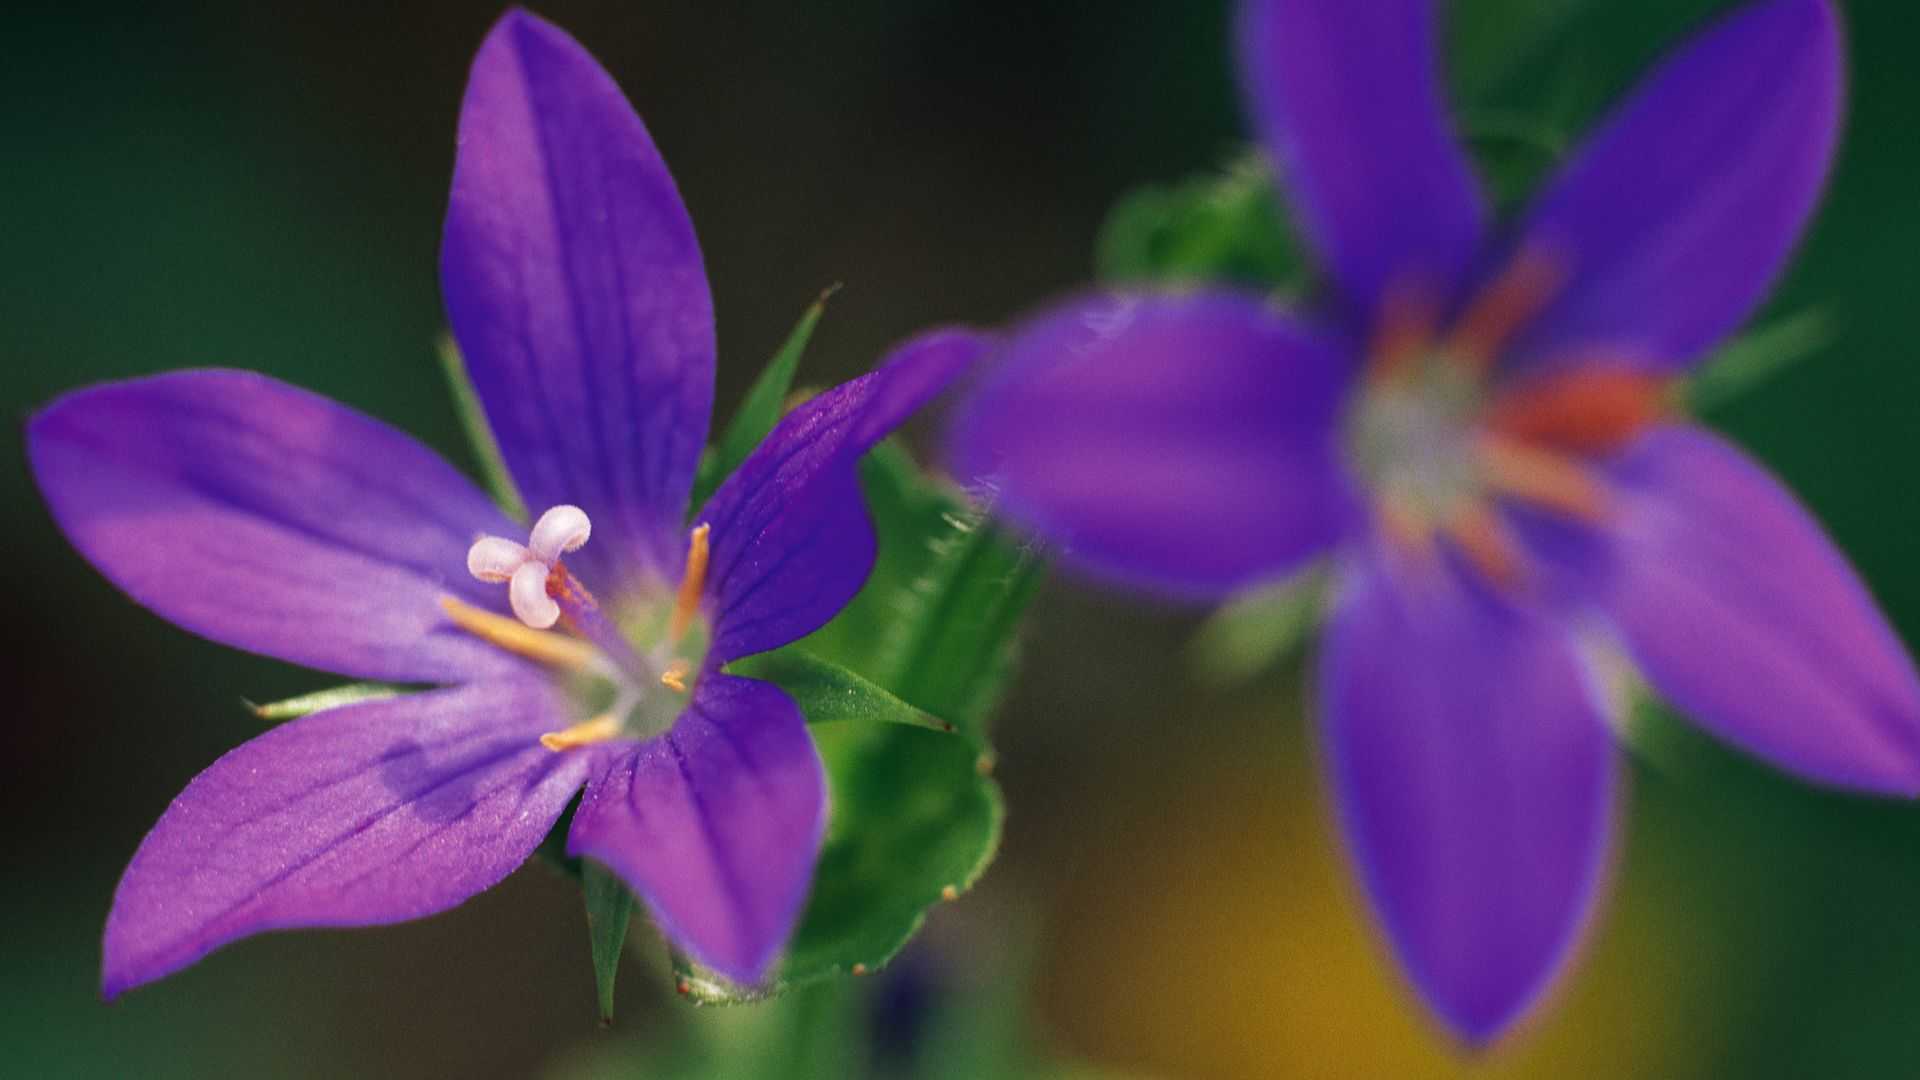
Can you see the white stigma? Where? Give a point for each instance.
(525, 567)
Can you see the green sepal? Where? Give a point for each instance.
(916, 820)
(609, 912)
(916, 814)
(1259, 628)
(1754, 357)
(1224, 227)
(473, 418)
(350, 694)
(760, 409)
(828, 693)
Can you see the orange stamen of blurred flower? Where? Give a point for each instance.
(1540, 476)
(1590, 410)
(1505, 305)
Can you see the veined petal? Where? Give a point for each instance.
(1348, 99)
(715, 824)
(361, 815)
(577, 293)
(1741, 612)
(791, 538)
(1185, 444)
(1676, 217)
(271, 519)
(1474, 778)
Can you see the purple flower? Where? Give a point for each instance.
(259, 515)
(1475, 434)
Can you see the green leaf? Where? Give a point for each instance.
(493, 467)
(1257, 629)
(350, 694)
(609, 911)
(1755, 357)
(915, 821)
(828, 693)
(761, 408)
(1225, 227)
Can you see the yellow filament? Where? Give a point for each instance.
(688, 602)
(1541, 477)
(675, 677)
(586, 733)
(514, 636)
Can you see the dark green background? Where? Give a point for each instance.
(261, 186)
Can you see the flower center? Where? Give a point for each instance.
(630, 675)
(1446, 444)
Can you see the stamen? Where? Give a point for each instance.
(1587, 411)
(1542, 477)
(675, 677)
(1404, 330)
(597, 730)
(687, 604)
(1505, 305)
(1486, 542)
(1406, 527)
(557, 650)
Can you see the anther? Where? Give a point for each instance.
(586, 733)
(675, 677)
(687, 603)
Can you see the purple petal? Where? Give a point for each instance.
(1182, 444)
(715, 824)
(271, 519)
(575, 288)
(356, 816)
(1742, 613)
(1681, 210)
(1347, 98)
(792, 541)
(1474, 778)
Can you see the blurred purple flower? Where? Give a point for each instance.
(1475, 433)
(270, 519)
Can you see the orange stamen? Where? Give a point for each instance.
(1406, 324)
(1502, 308)
(1405, 526)
(675, 677)
(557, 650)
(1586, 411)
(586, 733)
(1476, 529)
(687, 604)
(1541, 476)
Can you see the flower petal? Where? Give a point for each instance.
(271, 519)
(1678, 214)
(1183, 444)
(1742, 613)
(715, 824)
(361, 815)
(1348, 99)
(576, 291)
(791, 540)
(1474, 778)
